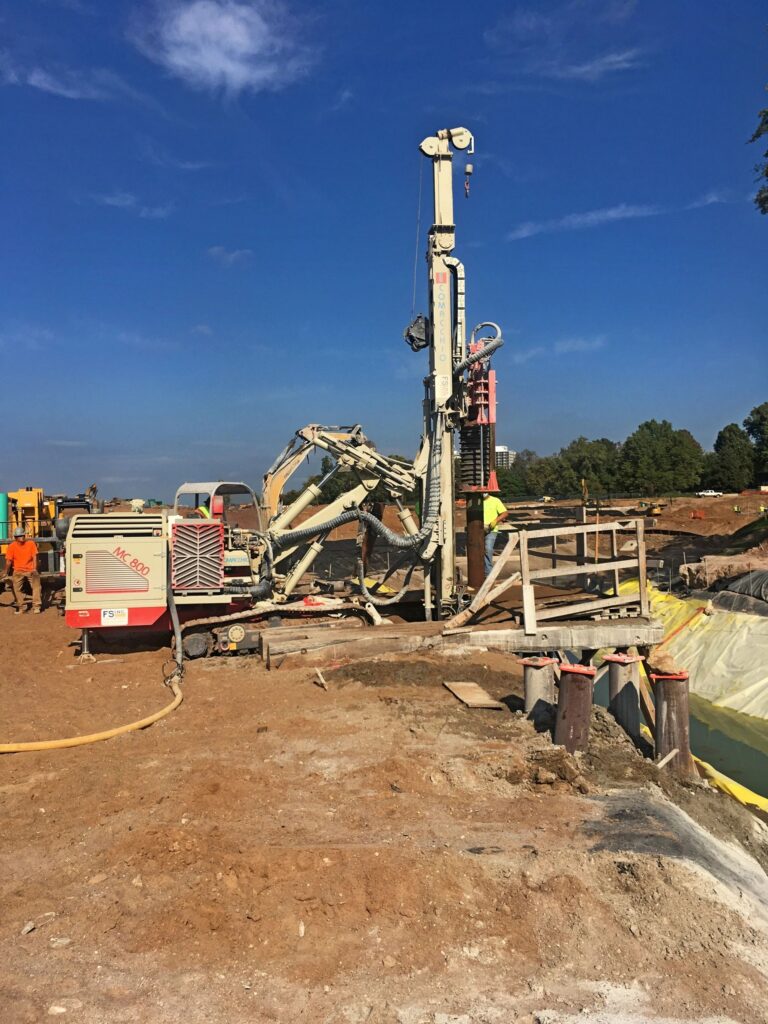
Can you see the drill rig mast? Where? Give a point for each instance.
(452, 402)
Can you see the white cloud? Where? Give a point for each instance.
(596, 68)
(608, 215)
(343, 99)
(228, 257)
(97, 84)
(67, 444)
(577, 40)
(227, 45)
(708, 199)
(128, 201)
(520, 356)
(157, 156)
(565, 346)
(18, 336)
(579, 344)
(203, 329)
(579, 221)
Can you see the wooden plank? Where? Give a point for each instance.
(587, 606)
(562, 556)
(474, 696)
(529, 610)
(496, 593)
(479, 600)
(577, 531)
(529, 597)
(641, 571)
(647, 704)
(593, 567)
(614, 556)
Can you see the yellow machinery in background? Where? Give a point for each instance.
(38, 514)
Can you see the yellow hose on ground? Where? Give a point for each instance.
(96, 737)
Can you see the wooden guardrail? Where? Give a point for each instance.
(581, 563)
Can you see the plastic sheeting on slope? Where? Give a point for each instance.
(725, 653)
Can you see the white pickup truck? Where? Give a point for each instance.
(709, 494)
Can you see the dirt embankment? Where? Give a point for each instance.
(374, 852)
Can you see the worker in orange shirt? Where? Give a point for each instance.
(21, 565)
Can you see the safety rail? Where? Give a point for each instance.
(581, 563)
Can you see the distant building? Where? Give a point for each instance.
(504, 457)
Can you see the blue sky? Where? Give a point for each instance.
(209, 210)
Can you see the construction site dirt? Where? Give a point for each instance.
(370, 852)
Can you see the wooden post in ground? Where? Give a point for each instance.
(539, 680)
(673, 722)
(574, 706)
(624, 691)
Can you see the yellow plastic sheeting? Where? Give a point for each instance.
(735, 789)
(725, 653)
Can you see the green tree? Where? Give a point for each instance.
(761, 169)
(756, 426)
(733, 466)
(658, 459)
(597, 462)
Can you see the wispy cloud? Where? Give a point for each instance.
(596, 68)
(25, 337)
(62, 443)
(578, 40)
(224, 45)
(228, 257)
(203, 329)
(159, 157)
(128, 201)
(523, 355)
(610, 215)
(565, 346)
(98, 84)
(343, 99)
(709, 199)
(579, 221)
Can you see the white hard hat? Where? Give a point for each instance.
(19, 531)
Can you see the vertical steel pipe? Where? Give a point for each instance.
(574, 706)
(673, 722)
(475, 540)
(539, 682)
(624, 691)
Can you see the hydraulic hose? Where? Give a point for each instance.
(397, 540)
(96, 737)
(259, 590)
(489, 349)
(381, 601)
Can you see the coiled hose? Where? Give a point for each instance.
(172, 681)
(475, 357)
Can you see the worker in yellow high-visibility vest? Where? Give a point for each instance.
(494, 513)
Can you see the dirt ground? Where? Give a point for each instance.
(376, 852)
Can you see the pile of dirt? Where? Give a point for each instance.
(373, 852)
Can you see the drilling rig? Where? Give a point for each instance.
(452, 401)
(243, 575)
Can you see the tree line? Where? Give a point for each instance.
(656, 459)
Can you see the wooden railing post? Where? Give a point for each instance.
(574, 706)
